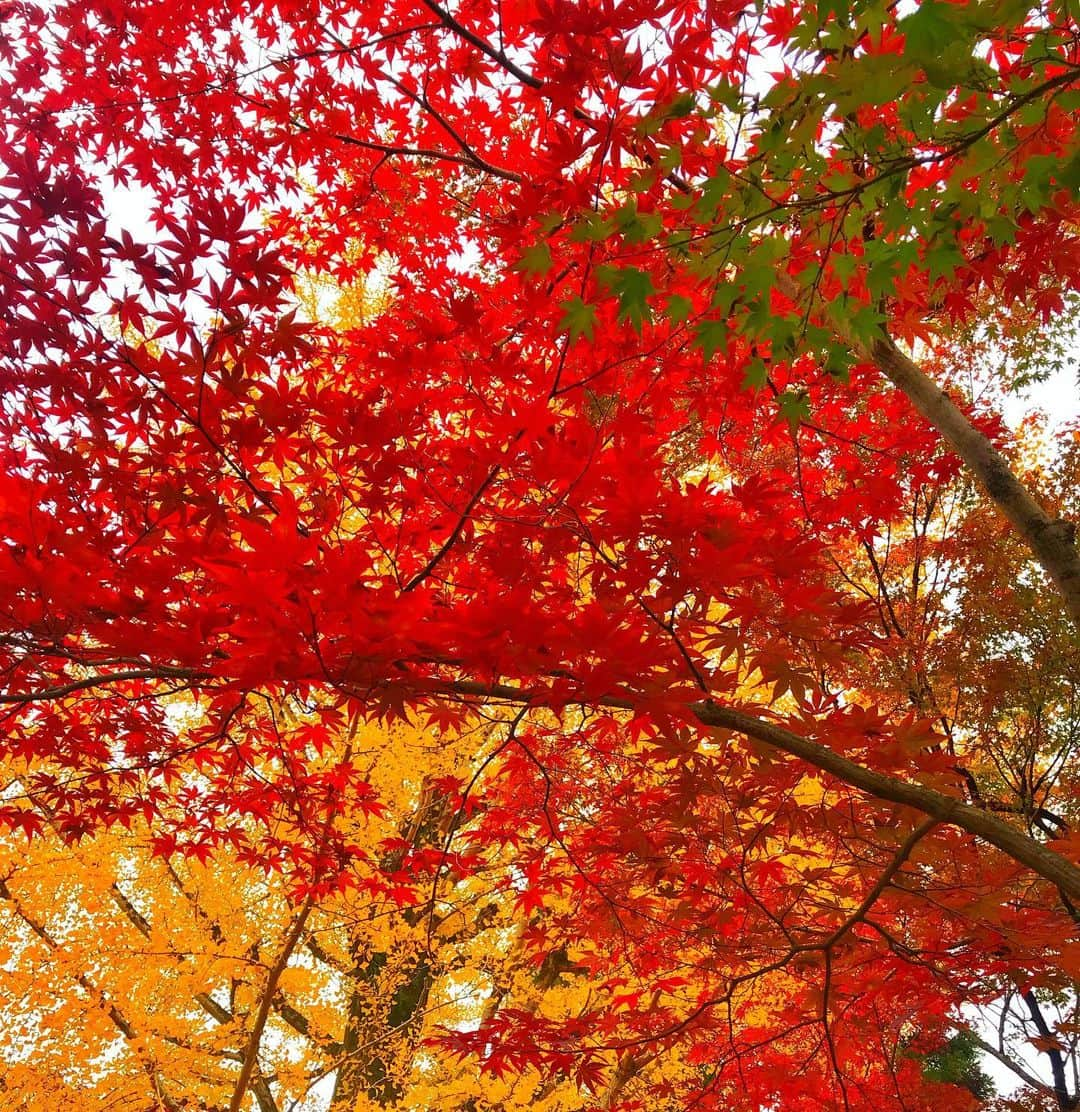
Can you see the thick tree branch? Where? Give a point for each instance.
(468, 159)
(945, 809)
(883, 881)
(151, 672)
(1009, 1063)
(285, 1011)
(484, 47)
(216, 1011)
(1020, 847)
(1066, 1100)
(456, 532)
(1052, 542)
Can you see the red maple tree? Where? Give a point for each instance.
(645, 455)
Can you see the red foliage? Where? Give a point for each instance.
(500, 479)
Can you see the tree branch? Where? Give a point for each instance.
(1052, 542)
(154, 672)
(1008, 1063)
(1066, 1101)
(945, 809)
(251, 1051)
(483, 46)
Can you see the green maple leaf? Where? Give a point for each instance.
(579, 318)
(638, 227)
(794, 407)
(928, 32)
(632, 287)
(678, 308)
(712, 336)
(535, 260)
(756, 376)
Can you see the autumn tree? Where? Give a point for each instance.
(736, 628)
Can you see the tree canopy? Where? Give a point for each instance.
(515, 589)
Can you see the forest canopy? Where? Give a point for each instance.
(516, 589)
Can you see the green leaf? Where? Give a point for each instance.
(794, 407)
(816, 338)
(676, 109)
(678, 308)
(866, 325)
(1069, 174)
(669, 158)
(712, 336)
(725, 297)
(637, 227)
(727, 95)
(872, 18)
(942, 260)
(713, 191)
(632, 287)
(886, 263)
(838, 362)
(757, 375)
(682, 106)
(844, 266)
(592, 229)
(535, 260)
(874, 79)
(1001, 229)
(642, 180)
(649, 124)
(839, 8)
(1040, 172)
(928, 32)
(579, 318)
